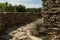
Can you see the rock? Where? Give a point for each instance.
(51, 14)
(5, 37)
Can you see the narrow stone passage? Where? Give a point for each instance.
(22, 33)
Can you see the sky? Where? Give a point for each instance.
(27, 3)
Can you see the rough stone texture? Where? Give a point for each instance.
(21, 33)
(8, 20)
(48, 29)
(51, 15)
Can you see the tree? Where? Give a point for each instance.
(2, 7)
(15, 8)
(21, 8)
(10, 8)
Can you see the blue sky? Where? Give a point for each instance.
(27, 3)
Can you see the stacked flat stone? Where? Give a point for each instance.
(51, 15)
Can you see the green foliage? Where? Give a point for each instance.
(9, 8)
(2, 7)
(5, 7)
(15, 9)
(21, 8)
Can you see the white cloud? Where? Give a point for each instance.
(32, 5)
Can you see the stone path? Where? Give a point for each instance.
(22, 33)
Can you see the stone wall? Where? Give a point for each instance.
(12, 19)
(51, 15)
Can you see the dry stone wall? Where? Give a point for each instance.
(51, 15)
(14, 19)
